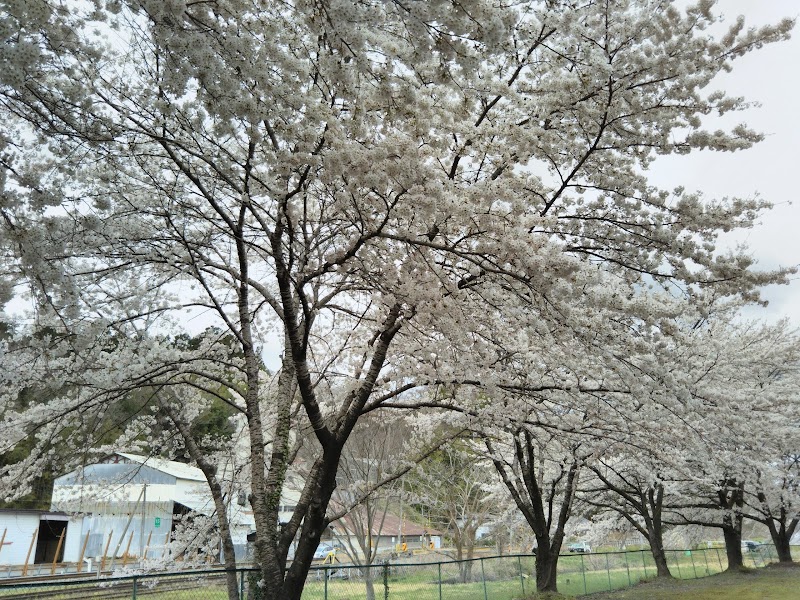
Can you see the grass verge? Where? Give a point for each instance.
(769, 583)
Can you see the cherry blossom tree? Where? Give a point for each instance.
(365, 178)
(774, 501)
(738, 372)
(621, 490)
(542, 475)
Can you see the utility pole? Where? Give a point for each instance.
(144, 522)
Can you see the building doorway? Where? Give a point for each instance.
(47, 542)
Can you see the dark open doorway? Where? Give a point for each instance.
(47, 541)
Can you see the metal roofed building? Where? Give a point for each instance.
(130, 504)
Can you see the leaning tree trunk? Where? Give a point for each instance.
(783, 549)
(210, 473)
(314, 524)
(660, 558)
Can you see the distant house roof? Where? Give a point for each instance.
(389, 525)
(171, 467)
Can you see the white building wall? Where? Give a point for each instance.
(19, 528)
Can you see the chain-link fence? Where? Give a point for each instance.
(492, 578)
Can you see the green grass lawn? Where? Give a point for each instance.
(771, 583)
(507, 578)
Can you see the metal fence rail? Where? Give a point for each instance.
(492, 578)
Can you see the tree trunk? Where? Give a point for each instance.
(210, 473)
(468, 540)
(464, 566)
(465, 571)
(733, 546)
(782, 546)
(320, 486)
(369, 583)
(537, 505)
(660, 558)
(652, 502)
(656, 539)
(546, 566)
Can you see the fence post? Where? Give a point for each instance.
(677, 564)
(325, 575)
(583, 572)
(440, 581)
(628, 569)
(719, 560)
(133, 591)
(694, 568)
(241, 584)
(644, 564)
(483, 576)
(608, 572)
(386, 580)
(705, 556)
(521, 578)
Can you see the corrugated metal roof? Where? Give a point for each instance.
(171, 467)
(111, 474)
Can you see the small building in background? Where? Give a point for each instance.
(36, 537)
(127, 506)
(389, 533)
(131, 505)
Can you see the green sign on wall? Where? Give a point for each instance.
(158, 521)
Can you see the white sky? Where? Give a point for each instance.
(770, 76)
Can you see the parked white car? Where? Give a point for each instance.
(323, 551)
(579, 547)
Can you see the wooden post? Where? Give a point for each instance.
(147, 546)
(30, 549)
(3, 539)
(103, 560)
(79, 566)
(58, 549)
(127, 549)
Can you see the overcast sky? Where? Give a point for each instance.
(770, 76)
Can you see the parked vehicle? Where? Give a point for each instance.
(323, 551)
(579, 547)
(750, 546)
